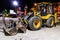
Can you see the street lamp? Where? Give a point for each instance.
(15, 3)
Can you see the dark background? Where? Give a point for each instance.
(7, 4)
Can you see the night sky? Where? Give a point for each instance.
(7, 4)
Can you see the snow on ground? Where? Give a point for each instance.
(42, 34)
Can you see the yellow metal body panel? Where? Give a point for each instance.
(45, 17)
(44, 3)
(55, 15)
(35, 12)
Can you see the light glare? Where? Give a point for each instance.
(15, 3)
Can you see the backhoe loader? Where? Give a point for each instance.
(41, 14)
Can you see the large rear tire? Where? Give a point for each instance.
(50, 22)
(35, 23)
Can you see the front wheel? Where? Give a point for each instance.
(35, 23)
(50, 22)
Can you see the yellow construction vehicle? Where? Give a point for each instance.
(42, 14)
